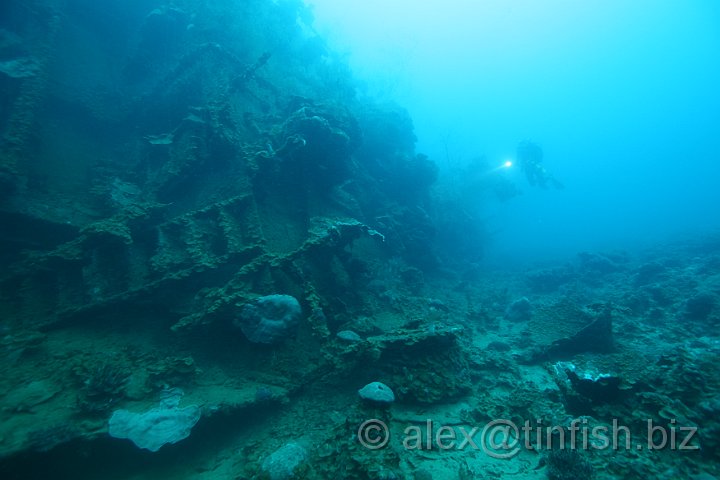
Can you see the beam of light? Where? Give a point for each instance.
(503, 166)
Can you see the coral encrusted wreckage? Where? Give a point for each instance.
(210, 243)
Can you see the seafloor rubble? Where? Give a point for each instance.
(171, 175)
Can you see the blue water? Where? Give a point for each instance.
(622, 97)
(237, 235)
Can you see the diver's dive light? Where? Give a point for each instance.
(506, 164)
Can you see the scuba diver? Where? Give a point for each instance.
(529, 155)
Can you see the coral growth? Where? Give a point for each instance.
(102, 386)
(568, 464)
